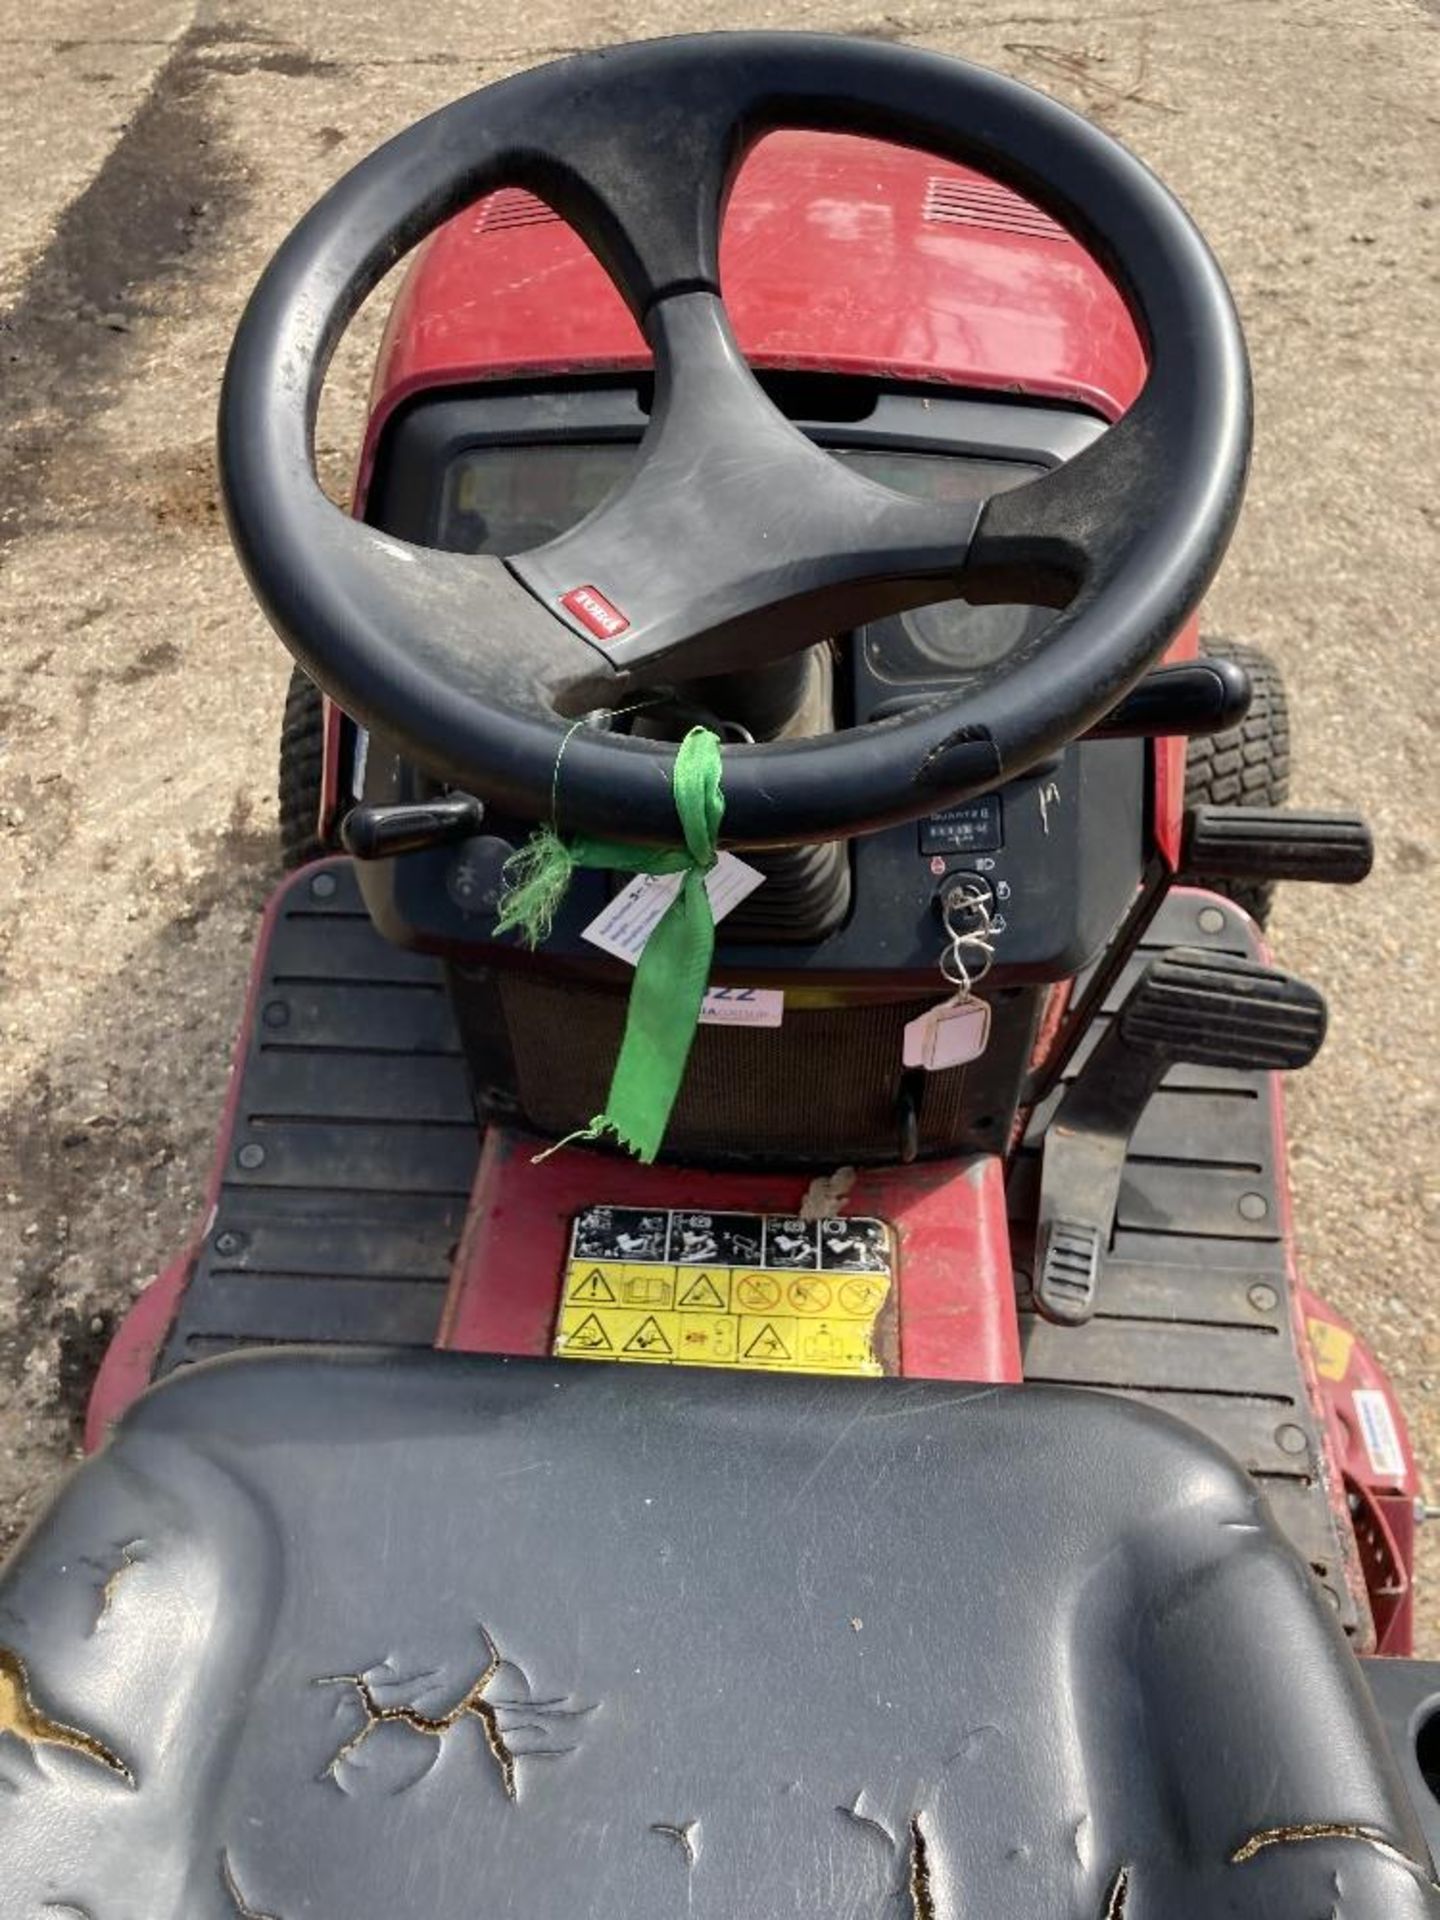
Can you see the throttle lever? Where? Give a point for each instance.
(380, 832)
(1188, 697)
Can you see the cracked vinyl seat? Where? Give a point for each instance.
(440, 1637)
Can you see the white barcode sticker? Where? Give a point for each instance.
(632, 916)
(1382, 1441)
(742, 1007)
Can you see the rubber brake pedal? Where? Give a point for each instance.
(1223, 1010)
(1189, 1005)
(1068, 1272)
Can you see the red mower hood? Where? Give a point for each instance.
(839, 255)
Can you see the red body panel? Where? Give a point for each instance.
(1381, 1492)
(1168, 763)
(133, 1354)
(1374, 1507)
(327, 826)
(955, 1294)
(838, 255)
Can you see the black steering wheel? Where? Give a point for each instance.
(735, 540)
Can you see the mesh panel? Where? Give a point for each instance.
(747, 1090)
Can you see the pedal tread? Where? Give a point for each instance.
(1069, 1272)
(1225, 1010)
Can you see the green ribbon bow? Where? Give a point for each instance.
(674, 967)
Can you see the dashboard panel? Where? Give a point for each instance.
(1060, 851)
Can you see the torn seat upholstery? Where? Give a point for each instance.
(345, 1637)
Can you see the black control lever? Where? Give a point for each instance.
(1194, 696)
(1204, 1008)
(378, 833)
(1275, 843)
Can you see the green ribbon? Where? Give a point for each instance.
(674, 967)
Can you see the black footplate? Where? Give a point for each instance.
(1185, 1303)
(352, 1145)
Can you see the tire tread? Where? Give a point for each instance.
(302, 755)
(1248, 765)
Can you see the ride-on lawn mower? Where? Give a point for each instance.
(745, 1357)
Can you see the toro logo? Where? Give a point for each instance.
(592, 609)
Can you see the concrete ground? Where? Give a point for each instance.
(155, 152)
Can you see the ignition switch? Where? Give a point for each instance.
(965, 901)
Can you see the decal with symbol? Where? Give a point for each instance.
(725, 1289)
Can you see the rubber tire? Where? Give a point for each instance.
(1245, 766)
(302, 753)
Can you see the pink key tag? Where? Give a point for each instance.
(949, 1035)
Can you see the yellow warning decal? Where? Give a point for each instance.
(760, 1291)
(585, 1334)
(596, 1286)
(648, 1287)
(1332, 1347)
(706, 1293)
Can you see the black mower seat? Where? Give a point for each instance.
(438, 1638)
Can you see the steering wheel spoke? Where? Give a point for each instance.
(736, 539)
(517, 653)
(655, 226)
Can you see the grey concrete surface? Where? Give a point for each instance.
(154, 154)
(75, 73)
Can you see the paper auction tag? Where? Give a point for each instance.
(632, 916)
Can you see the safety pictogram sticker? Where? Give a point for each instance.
(598, 1285)
(585, 1334)
(650, 1341)
(616, 1333)
(860, 1299)
(759, 1292)
(767, 1291)
(707, 1339)
(648, 1286)
(763, 1343)
(1332, 1347)
(706, 1293)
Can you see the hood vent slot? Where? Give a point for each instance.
(985, 203)
(513, 207)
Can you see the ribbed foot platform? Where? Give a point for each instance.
(352, 1143)
(1194, 1312)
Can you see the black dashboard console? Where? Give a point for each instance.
(1055, 856)
(1058, 851)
